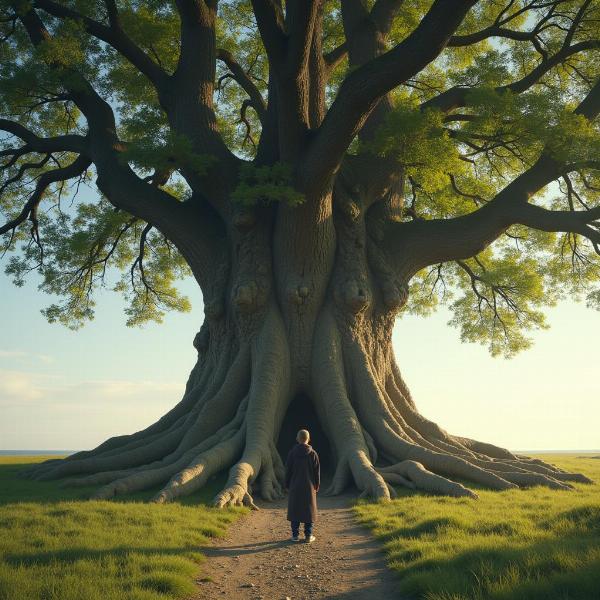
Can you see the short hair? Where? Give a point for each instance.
(302, 436)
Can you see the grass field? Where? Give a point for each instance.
(534, 544)
(56, 546)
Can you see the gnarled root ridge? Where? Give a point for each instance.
(412, 474)
(233, 407)
(382, 441)
(229, 417)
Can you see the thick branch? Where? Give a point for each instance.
(421, 243)
(498, 27)
(98, 113)
(362, 89)
(583, 222)
(270, 21)
(189, 101)
(71, 143)
(383, 13)
(301, 16)
(366, 37)
(112, 35)
(198, 233)
(335, 57)
(180, 222)
(77, 167)
(456, 97)
(458, 41)
(244, 81)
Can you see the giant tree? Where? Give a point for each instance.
(318, 166)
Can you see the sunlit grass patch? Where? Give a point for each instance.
(54, 545)
(534, 544)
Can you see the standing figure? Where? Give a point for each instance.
(302, 478)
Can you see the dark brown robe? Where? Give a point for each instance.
(302, 478)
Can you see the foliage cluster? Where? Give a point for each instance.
(453, 162)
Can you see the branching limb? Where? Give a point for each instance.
(457, 96)
(126, 190)
(301, 16)
(584, 222)
(500, 26)
(364, 87)
(243, 79)
(34, 143)
(76, 168)
(270, 20)
(114, 35)
(433, 241)
(189, 102)
(383, 13)
(333, 58)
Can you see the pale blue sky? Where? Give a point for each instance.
(70, 390)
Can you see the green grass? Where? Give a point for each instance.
(534, 544)
(55, 545)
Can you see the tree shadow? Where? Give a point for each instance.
(72, 555)
(254, 548)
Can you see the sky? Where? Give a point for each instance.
(65, 390)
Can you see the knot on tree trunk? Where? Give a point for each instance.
(201, 339)
(249, 297)
(298, 295)
(355, 295)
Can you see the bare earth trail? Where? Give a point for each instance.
(256, 560)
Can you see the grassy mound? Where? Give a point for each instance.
(54, 545)
(531, 544)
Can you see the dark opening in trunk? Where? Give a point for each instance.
(301, 415)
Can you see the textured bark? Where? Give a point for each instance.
(315, 320)
(299, 301)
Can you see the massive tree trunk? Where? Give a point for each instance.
(306, 314)
(300, 301)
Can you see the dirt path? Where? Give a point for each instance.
(257, 561)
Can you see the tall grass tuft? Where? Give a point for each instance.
(55, 545)
(533, 544)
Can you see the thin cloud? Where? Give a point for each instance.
(19, 386)
(21, 355)
(54, 411)
(53, 390)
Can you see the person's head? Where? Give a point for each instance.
(303, 437)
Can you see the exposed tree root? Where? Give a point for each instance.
(197, 388)
(339, 418)
(268, 396)
(232, 411)
(412, 474)
(196, 474)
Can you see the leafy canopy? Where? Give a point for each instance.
(454, 161)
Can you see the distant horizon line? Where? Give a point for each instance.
(67, 452)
